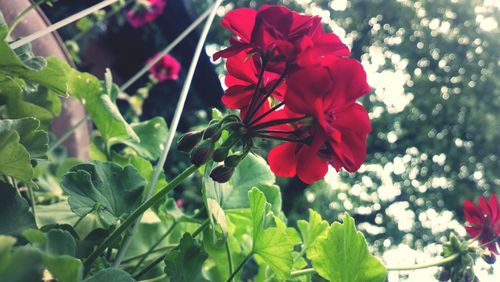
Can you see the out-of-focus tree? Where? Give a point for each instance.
(434, 67)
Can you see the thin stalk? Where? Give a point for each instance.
(424, 265)
(28, 39)
(267, 113)
(238, 269)
(151, 249)
(66, 135)
(276, 122)
(82, 33)
(264, 98)
(277, 138)
(256, 92)
(115, 235)
(150, 266)
(229, 257)
(162, 249)
(79, 220)
(302, 272)
(167, 50)
(173, 124)
(19, 17)
(32, 198)
(277, 131)
(161, 258)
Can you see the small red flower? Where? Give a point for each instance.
(167, 68)
(145, 11)
(484, 222)
(277, 34)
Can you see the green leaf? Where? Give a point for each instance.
(109, 189)
(271, 245)
(258, 210)
(185, 265)
(312, 230)
(6, 244)
(34, 140)
(110, 275)
(53, 76)
(342, 256)
(60, 242)
(253, 171)
(100, 107)
(21, 264)
(64, 268)
(15, 216)
(14, 158)
(152, 134)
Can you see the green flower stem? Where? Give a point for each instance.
(32, 198)
(302, 272)
(79, 220)
(115, 235)
(425, 265)
(19, 17)
(161, 258)
(159, 250)
(240, 267)
(151, 249)
(229, 257)
(396, 268)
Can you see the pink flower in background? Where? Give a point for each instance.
(145, 11)
(167, 68)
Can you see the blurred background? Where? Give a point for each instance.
(434, 67)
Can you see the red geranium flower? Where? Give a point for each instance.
(276, 33)
(328, 93)
(145, 11)
(484, 222)
(167, 68)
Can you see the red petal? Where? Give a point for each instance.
(235, 48)
(310, 167)
(306, 85)
(349, 83)
(241, 68)
(241, 22)
(472, 213)
(354, 126)
(237, 97)
(495, 208)
(283, 159)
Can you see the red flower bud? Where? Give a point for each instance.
(220, 153)
(212, 131)
(232, 161)
(188, 141)
(222, 173)
(202, 152)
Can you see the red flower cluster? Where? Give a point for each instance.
(145, 11)
(167, 68)
(292, 82)
(484, 222)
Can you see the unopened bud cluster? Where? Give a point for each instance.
(203, 146)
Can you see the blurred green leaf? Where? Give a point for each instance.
(107, 188)
(152, 134)
(99, 106)
(15, 216)
(110, 275)
(14, 158)
(34, 140)
(185, 265)
(343, 255)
